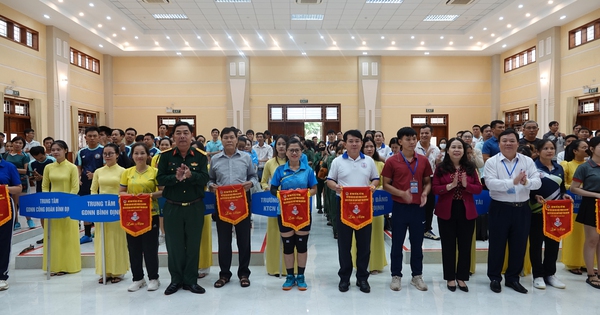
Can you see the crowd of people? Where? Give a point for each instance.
(520, 171)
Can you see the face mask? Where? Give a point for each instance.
(443, 146)
(332, 152)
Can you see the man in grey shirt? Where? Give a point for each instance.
(230, 167)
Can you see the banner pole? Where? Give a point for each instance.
(103, 253)
(47, 244)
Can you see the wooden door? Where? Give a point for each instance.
(439, 123)
(15, 126)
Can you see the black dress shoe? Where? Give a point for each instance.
(464, 289)
(515, 285)
(495, 286)
(451, 287)
(364, 286)
(344, 286)
(194, 288)
(172, 288)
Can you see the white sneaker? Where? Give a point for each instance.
(396, 284)
(553, 281)
(153, 285)
(161, 239)
(3, 285)
(539, 283)
(136, 285)
(418, 282)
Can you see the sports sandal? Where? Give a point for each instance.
(244, 282)
(593, 281)
(221, 282)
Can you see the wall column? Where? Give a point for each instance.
(109, 117)
(369, 93)
(58, 53)
(548, 60)
(238, 91)
(495, 89)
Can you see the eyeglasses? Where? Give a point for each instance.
(294, 151)
(108, 154)
(467, 137)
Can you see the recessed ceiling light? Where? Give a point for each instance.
(108, 17)
(563, 17)
(46, 16)
(334, 42)
(91, 4)
(198, 37)
(422, 43)
(307, 17)
(291, 37)
(520, 6)
(123, 28)
(170, 16)
(178, 54)
(229, 36)
(100, 25)
(426, 53)
(61, 1)
(384, 1)
(303, 54)
(527, 15)
(168, 37)
(81, 14)
(508, 25)
(322, 36)
(441, 37)
(501, 18)
(156, 43)
(216, 43)
(100, 46)
(478, 43)
(364, 52)
(503, 45)
(241, 53)
(126, 44)
(246, 42)
(493, 35)
(364, 43)
(352, 37)
(485, 28)
(260, 37)
(233, 1)
(440, 18)
(393, 43)
(451, 43)
(470, 37)
(382, 37)
(412, 37)
(275, 43)
(187, 44)
(114, 35)
(550, 2)
(136, 37)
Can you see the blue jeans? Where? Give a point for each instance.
(409, 217)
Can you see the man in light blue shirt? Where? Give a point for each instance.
(214, 146)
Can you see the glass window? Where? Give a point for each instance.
(276, 113)
(419, 120)
(578, 38)
(169, 121)
(331, 113)
(19, 109)
(437, 120)
(533, 55)
(3, 28)
(525, 59)
(17, 33)
(590, 33)
(588, 107)
(190, 121)
(29, 39)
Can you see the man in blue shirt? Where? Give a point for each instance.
(149, 142)
(491, 146)
(88, 160)
(214, 146)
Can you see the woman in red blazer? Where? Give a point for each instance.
(455, 182)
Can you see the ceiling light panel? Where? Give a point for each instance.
(307, 17)
(385, 1)
(440, 18)
(232, 1)
(170, 16)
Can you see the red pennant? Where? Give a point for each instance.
(136, 214)
(295, 208)
(356, 207)
(5, 208)
(232, 203)
(558, 218)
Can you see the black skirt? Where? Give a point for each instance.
(587, 212)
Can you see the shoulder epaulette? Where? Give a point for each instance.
(201, 151)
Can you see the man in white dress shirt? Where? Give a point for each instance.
(510, 177)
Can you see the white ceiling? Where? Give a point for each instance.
(265, 28)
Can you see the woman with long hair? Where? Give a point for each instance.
(553, 188)
(141, 180)
(62, 176)
(572, 246)
(106, 181)
(272, 250)
(290, 176)
(455, 182)
(18, 158)
(586, 183)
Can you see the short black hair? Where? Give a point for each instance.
(497, 122)
(405, 131)
(227, 130)
(183, 123)
(577, 125)
(139, 138)
(425, 126)
(484, 127)
(47, 138)
(509, 131)
(250, 131)
(476, 126)
(105, 129)
(267, 132)
(28, 130)
(259, 134)
(37, 150)
(135, 131)
(215, 129)
(121, 132)
(330, 132)
(354, 133)
(552, 123)
(571, 136)
(163, 125)
(92, 129)
(151, 135)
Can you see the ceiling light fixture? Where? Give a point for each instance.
(123, 28)
(108, 17)
(81, 14)
(441, 37)
(501, 18)
(509, 25)
(426, 53)
(550, 2)
(168, 37)
(198, 37)
(563, 17)
(61, 1)
(275, 43)
(178, 54)
(384, 1)
(114, 35)
(364, 43)
(187, 44)
(503, 45)
(470, 37)
(422, 43)
(291, 37)
(241, 53)
(485, 28)
(100, 25)
(91, 5)
(229, 36)
(382, 37)
(352, 37)
(393, 43)
(493, 35)
(216, 43)
(527, 15)
(260, 37)
(46, 16)
(126, 44)
(520, 6)
(334, 42)
(322, 36)
(440, 18)
(364, 52)
(170, 16)
(478, 43)
(136, 37)
(100, 46)
(412, 37)
(303, 54)
(307, 17)
(451, 43)
(156, 43)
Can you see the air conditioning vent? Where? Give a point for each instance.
(157, 1)
(459, 2)
(309, 1)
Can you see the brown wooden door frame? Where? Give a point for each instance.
(440, 130)
(288, 127)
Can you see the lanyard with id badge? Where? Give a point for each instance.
(414, 184)
(511, 191)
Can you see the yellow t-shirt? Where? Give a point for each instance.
(138, 183)
(569, 168)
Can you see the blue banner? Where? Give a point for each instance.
(45, 205)
(576, 201)
(382, 202)
(482, 202)
(95, 208)
(210, 202)
(264, 203)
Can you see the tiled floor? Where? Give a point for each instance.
(31, 293)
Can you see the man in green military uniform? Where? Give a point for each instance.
(183, 173)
